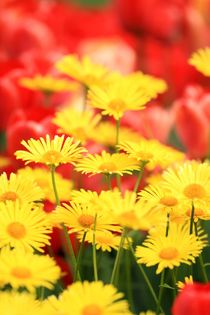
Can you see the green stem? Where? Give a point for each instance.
(66, 234)
(192, 218)
(167, 224)
(118, 256)
(85, 98)
(128, 274)
(79, 256)
(109, 185)
(140, 175)
(117, 133)
(95, 269)
(145, 277)
(200, 260)
(160, 291)
(173, 277)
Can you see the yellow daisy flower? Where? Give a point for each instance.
(172, 250)
(190, 181)
(200, 60)
(25, 269)
(106, 163)
(17, 187)
(117, 98)
(83, 71)
(152, 151)
(48, 84)
(201, 210)
(23, 226)
(105, 133)
(81, 218)
(80, 125)
(187, 280)
(42, 177)
(159, 199)
(104, 240)
(13, 303)
(149, 83)
(51, 152)
(90, 298)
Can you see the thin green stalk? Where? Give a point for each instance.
(117, 150)
(160, 292)
(79, 256)
(140, 175)
(108, 179)
(173, 277)
(167, 224)
(118, 256)
(66, 234)
(145, 276)
(200, 260)
(129, 279)
(192, 218)
(85, 98)
(95, 268)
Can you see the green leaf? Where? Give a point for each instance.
(165, 285)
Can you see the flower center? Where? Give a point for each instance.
(16, 230)
(107, 167)
(145, 156)
(52, 157)
(168, 201)
(92, 309)
(197, 212)
(169, 253)
(86, 220)
(9, 195)
(194, 191)
(21, 272)
(117, 105)
(80, 133)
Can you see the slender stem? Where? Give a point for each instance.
(173, 277)
(192, 218)
(118, 256)
(80, 255)
(167, 224)
(117, 133)
(160, 291)
(66, 234)
(200, 260)
(145, 277)
(129, 279)
(140, 175)
(85, 98)
(108, 178)
(95, 269)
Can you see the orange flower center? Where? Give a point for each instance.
(79, 133)
(197, 212)
(117, 105)
(145, 156)
(194, 191)
(21, 272)
(52, 157)
(16, 230)
(9, 195)
(169, 201)
(92, 309)
(107, 167)
(86, 220)
(169, 253)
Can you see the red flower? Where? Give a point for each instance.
(194, 299)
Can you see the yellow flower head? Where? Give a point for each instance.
(187, 280)
(11, 303)
(25, 269)
(83, 217)
(149, 83)
(190, 181)
(42, 177)
(172, 250)
(17, 187)
(106, 163)
(23, 226)
(80, 125)
(117, 98)
(105, 133)
(51, 152)
(90, 298)
(83, 71)
(200, 60)
(104, 240)
(48, 84)
(152, 151)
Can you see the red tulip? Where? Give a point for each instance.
(194, 299)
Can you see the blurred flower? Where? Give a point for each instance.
(194, 299)
(200, 60)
